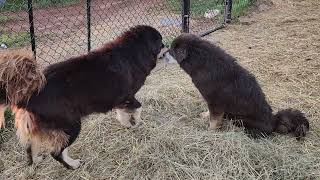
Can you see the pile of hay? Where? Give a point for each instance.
(174, 143)
(20, 75)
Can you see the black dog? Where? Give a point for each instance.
(103, 79)
(229, 89)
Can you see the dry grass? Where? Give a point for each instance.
(175, 143)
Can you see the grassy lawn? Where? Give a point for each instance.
(239, 7)
(17, 5)
(6, 19)
(167, 40)
(199, 7)
(15, 39)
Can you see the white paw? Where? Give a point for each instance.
(137, 125)
(126, 124)
(204, 115)
(215, 125)
(37, 159)
(75, 164)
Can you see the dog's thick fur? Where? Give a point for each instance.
(97, 82)
(20, 78)
(229, 89)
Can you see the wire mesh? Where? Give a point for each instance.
(61, 26)
(14, 26)
(109, 19)
(206, 14)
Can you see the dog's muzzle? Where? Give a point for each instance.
(166, 56)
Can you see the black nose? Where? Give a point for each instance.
(162, 45)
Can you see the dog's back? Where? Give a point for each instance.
(78, 87)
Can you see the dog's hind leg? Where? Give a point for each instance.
(3, 108)
(62, 155)
(67, 161)
(258, 127)
(33, 149)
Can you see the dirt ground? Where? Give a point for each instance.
(281, 46)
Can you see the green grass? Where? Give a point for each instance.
(199, 7)
(16, 39)
(17, 5)
(240, 7)
(167, 40)
(6, 19)
(6, 133)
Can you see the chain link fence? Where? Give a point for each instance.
(58, 29)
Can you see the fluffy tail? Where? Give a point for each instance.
(292, 121)
(20, 76)
(29, 132)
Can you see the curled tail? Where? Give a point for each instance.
(291, 121)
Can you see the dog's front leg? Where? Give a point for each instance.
(216, 118)
(129, 113)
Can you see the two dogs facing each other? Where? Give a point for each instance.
(109, 77)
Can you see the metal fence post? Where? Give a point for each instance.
(185, 13)
(31, 27)
(227, 11)
(89, 24)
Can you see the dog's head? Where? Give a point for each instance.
(150, 37)
(180, 46)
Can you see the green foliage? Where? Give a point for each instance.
(5, 19)
(17, 5)
(239, 7)
(6, 132)
(167, 40)
(14, 5)
(199, 7)
(17, 39)
(47, 3)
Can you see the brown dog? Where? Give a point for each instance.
(231, 90)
